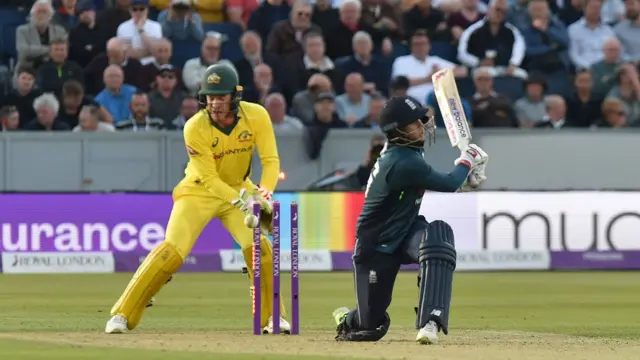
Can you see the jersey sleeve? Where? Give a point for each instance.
(201, 155)
(419, 174)
(267, 150)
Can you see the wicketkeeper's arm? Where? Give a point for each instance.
(268, 151)
(421, 175)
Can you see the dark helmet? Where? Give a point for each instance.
(219, 79)
(401, 111)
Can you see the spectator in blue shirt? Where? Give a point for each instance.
(116, 97)
(181, 22)
(432, 104)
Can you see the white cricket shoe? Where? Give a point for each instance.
(285, 327)
(428, 334)
(116, 325)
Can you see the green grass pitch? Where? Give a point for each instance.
(495, 316)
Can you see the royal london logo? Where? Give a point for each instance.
(213, 79)
(245, 136)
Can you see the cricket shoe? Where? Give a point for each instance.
(285, 327)
(116, 325)
(428, 334)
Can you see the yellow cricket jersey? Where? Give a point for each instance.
(221, 157)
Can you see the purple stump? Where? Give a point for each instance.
(295, 285)
(276, 267)
(257, 316)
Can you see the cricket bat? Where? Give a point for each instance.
(446, 91)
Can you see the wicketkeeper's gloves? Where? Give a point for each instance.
(245, 204)
(264, 197)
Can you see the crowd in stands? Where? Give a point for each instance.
(136, 65)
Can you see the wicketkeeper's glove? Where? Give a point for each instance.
(264, 197)
(245, 204)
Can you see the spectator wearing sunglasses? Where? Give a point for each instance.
(140, 32)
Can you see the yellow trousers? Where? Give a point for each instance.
(194, 207)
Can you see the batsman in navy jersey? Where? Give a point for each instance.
(391, 233)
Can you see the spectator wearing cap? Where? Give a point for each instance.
(353, 105)
(261, 86)
(46, 107)
(399, 86)
(314, 61)
(325, 16)
(89, 121)
(325, 118)
(376, 71)
(9, 118)
(87, 39)
(140, 32)
(302, 104)
(59, 69)
(188, 109)
(588, 35)
(424, 16)
(73, 100)
(112, 17)
(116, 54)
(628, 32)
(33, 39)
(140, 119)
(277, 108)
(556, 113)
(194, 69)
(488, 108)
(239, 11)
(167, 98)
(287, 36)
(604, 72)
(24, 94)
(583, 106)
(116, 96)
(66, 14)
(162, 51)
(372, 119)
(613, 114)
(266, 15)
(181, 22)
(530, 108)
(627, 90)
(255, 55)
(467, 15)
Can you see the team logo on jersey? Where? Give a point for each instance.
(213, 79)
(244, 136)
(215, 142)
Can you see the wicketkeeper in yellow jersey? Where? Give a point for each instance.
(220, 141)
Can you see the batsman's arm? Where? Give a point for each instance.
(201, 156)
(268, 151)
(419, 174)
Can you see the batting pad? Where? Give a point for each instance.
(152, 274)
(266, 279)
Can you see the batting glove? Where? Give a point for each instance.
(475, 179)
(245, 204)
(472, 156)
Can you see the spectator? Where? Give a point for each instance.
(341, 43)
(493, 43)
(546, 39)
(488, 108)
(116, 95)
(628, 91)
(556, 113)
(372, 119)
(58, 70)
(263, 18)
(419, 66)
(628, 32)
(181, 22)
(324, 119)
(518, 14)
(588, 35)
(530, 109)
(612, 11)
(166, 100)
(303, 102)
(9, 118)
(87, 39)
(325, 16)
(211, 11)
(194, 69)
(239, 11)
(162, 51)
(140, 32)
(277, 108)
(261, 86)
(604, 72)
(613, 114)
(187, 111)
(380, 19)
(253, 56)
(24, 94)
(572, 11)
(376, 71)
(32, 39)
(315, 62)
(73, 100)
(66, 14)
(583, 107)
(46, 107)
(354, 104)
(399, 86)
(114, 16)
(423, 16)
(116, 54)
(286, 37)
(89, 121)
(460, 20)
(140, 119)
